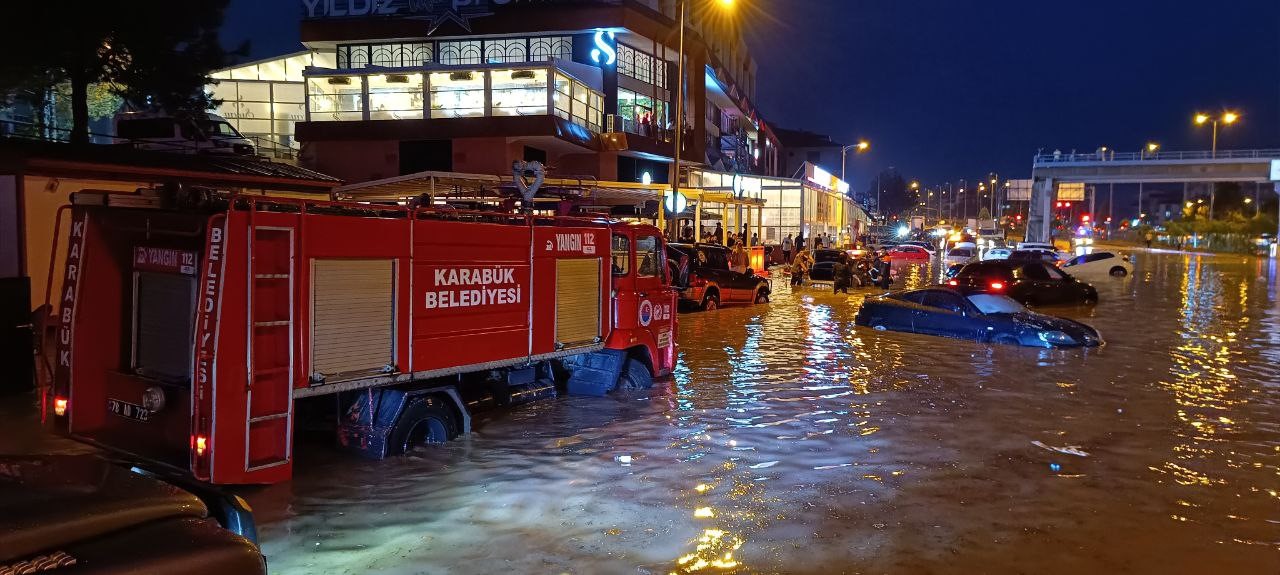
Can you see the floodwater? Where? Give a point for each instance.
(791, 441)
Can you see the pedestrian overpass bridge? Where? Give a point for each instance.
(1048, 170)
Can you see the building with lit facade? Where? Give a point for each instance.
(392, 87)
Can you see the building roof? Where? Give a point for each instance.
(804, 139)
(121, 162)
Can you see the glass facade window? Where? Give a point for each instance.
(457, 94)
(508, 51)
(334, 98)
(395, 96)
(575, 102)
(518, 92)
(460, 52)
(641, 113)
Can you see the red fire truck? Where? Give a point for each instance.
(192, 322)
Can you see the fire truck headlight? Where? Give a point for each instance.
(153, 399)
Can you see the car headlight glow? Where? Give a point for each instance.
(1056, 338)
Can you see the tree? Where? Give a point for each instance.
(895, 194)
(153, 53)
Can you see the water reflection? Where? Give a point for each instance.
(789, 440)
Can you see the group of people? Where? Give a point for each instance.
(844, 271)
(718, 237)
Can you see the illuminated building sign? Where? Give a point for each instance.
(1275, 170)
(434, 12)
(605, 52)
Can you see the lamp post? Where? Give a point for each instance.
(861, 146)
(1227, 119)
(679, 143)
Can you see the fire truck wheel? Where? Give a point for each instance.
(426, 422)
(635, 375)
(711, 302)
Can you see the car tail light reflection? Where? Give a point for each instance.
(59, 406)
(201, 443)
(997, 285)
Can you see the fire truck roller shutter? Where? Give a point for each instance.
(577, 301)
(352, 319)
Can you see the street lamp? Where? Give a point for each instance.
(861, 146)
(675, 179)
(1227, 119)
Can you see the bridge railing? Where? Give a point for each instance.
(1114, 156)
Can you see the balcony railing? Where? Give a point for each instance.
(1113, 156)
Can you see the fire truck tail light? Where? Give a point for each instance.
(201, 443)
(997, 285)
(59, 406)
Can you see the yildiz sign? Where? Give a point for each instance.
(435, 12)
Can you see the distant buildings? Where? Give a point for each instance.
(800, 146)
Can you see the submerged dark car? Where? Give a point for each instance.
(824, 263)
(1033, 283)
(973, 314)
(84, 513)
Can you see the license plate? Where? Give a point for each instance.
(128, 410)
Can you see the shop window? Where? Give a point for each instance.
(641, 113)
(519, 92)
(334, 98)
(457, 94)
(289, 93)
(460, 52)
(395, 97)
(508, 51)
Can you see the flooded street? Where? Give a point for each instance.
(791, 441)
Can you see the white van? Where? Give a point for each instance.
(189, 134)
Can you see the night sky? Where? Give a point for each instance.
(949, 89)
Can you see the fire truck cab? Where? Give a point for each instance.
(192, 323)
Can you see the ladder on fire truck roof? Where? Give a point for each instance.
(270, 346)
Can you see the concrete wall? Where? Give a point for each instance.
(41, 199)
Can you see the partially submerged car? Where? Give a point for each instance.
(972, 314)
(706, 281)
(824, 263)
(85, 513)
(1098, 265)
(1033, 283)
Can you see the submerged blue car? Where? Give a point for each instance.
(972, 314)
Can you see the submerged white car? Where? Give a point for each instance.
(1098, 265)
